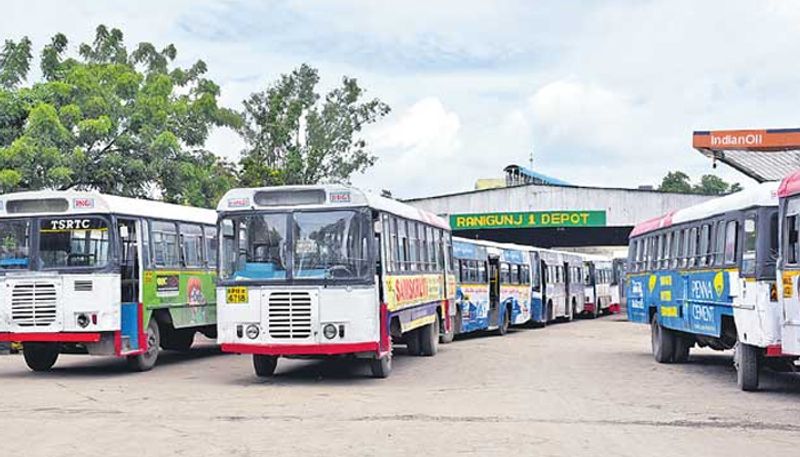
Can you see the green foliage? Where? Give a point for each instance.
(114, 120)
(15, 61)
(677, 181)
(294, 136)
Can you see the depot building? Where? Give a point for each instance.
(529, 208)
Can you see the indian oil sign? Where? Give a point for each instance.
(535, 219)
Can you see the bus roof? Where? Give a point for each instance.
(790, 185)
(759, 195)
(80, 202)
(335, 196)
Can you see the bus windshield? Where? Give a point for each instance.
(328, 245)
(14, 244)
(73, 242)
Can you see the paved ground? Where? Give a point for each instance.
(585, 388)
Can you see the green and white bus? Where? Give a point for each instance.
(88, 273)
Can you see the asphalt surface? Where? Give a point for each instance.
(587, 388)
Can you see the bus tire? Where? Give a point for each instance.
(683, 344)
(40, 356)
(447, 337)
(178, 339)
(662, 341)
(264, 365)
(429, 339)
(412, 340)
(381, 367)
(147, 360)
(502, 329)
(747, 360)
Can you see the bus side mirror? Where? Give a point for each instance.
(123, 231)
(377, 227)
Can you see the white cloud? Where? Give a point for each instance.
(606, 92)
(413, 149)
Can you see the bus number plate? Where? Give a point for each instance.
(236, 295)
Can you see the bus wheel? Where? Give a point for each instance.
(178, 339)
(662, 341)
(264, 365)
(502, 329)
(682, 346)
(447, 337)
(147, 360)
(40, 356)
(429, 339)
(746, 359)
(381, 367)
(412, 340)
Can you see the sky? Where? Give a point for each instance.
(603, 93)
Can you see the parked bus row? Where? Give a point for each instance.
(295, 271)
(722, 274)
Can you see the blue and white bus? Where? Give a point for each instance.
(705, 276)
(494, 286)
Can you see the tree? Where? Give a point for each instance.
(293, 136)
(118, 121)
(676, 181)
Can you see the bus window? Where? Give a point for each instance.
(165, 244)
(514, 274)
(690, 253)
(677, 238)
(792, 239)
(403, 247)
(525, 274)
(773, 237)
(719, 244)
(749, 248)
(703, 247)
(730, 242)
(15, 248)
(192, 245)
(67, 243)
(482, 276)
(211, 245)
(505, 274)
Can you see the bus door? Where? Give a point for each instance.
(494, 291)
(130, 233)
(568, 279)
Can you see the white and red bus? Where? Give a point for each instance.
(329, 270)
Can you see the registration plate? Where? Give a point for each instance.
(236, 295)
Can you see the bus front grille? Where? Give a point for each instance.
(290, 315)
(33, 304)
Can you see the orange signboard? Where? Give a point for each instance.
(757, 140)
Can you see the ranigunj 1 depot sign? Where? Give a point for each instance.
(535, 219)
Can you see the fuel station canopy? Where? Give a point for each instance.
(764, 155)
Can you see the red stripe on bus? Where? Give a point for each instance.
(51, 337)
(384, 328)
(301, 349)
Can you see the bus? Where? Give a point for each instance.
(705, 275)
(556, 297)
(494, 286)
(329, 270)
(597, 282)
(618, 284)
(789, 264)
(97, 274)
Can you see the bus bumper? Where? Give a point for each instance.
(59, 337)
(302, 349)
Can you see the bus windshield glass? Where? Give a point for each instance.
(70, 242)
(14, 245)
(331, 244)
(328, 245)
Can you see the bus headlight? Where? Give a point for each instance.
(329, 331)
(252, 331)
(83, 320)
